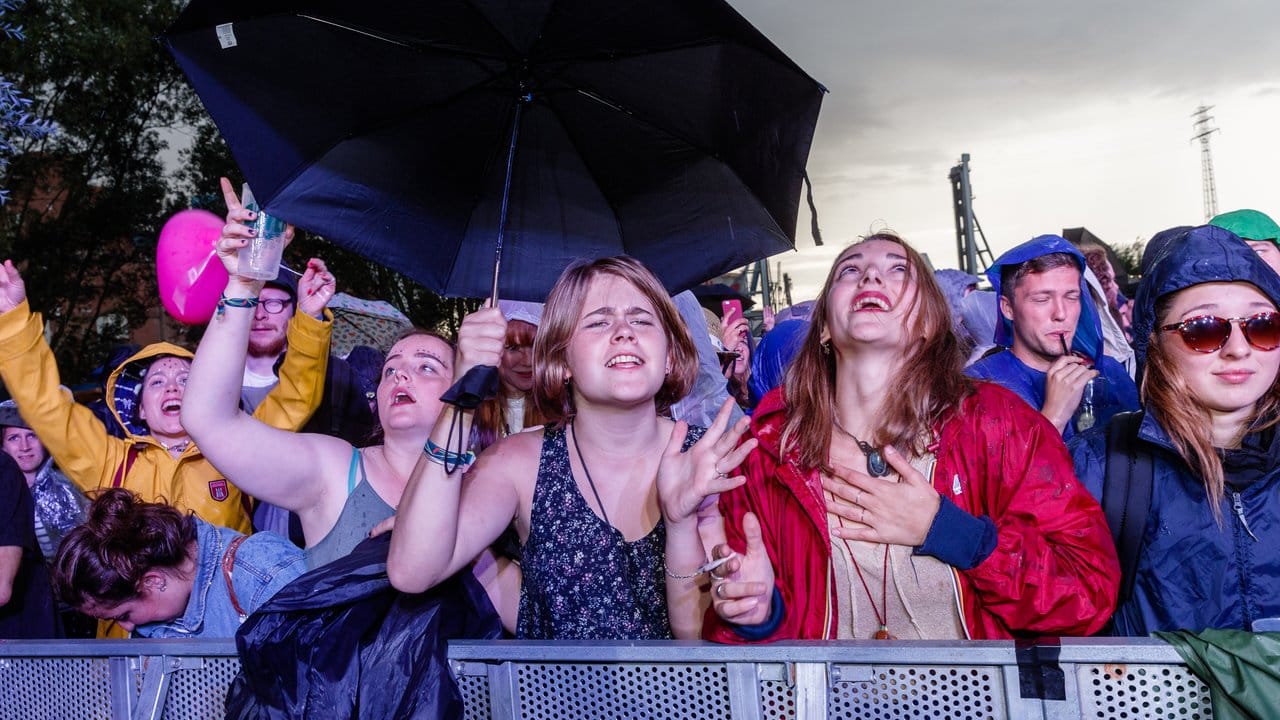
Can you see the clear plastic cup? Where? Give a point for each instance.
(260, 259)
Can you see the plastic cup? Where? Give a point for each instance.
(260, 259)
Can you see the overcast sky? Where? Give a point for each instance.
(1074, 113)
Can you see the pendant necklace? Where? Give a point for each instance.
(882, 620)
(626, 551)
(876, 465)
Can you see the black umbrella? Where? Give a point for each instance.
(710, 295)
(411, 131)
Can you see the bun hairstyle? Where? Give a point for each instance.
(105, 559)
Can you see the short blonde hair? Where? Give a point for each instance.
(551, 392)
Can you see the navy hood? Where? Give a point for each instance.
(1197, 255)
(1088, 335)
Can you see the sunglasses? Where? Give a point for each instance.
(1208, 333)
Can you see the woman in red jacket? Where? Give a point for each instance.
(892, 497)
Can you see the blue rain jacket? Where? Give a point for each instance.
(1118, 392)
(1191, 573)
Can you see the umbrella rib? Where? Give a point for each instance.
(452, 49)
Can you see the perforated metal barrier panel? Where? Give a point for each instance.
(894, 692)
(1134, 679)
(1142, 691)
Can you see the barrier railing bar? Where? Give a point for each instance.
(811, 690)
(123, 696)
(155, 688)
(116, 648)
(744, 690)
(504, 691)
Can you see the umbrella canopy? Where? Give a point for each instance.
(710, 296)
(376, 323)
(670, 130)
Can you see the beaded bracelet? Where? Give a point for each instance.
(235, 302)
(450, 460)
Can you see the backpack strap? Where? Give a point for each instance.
(228, 565)
(1126, 493)
(122, 470)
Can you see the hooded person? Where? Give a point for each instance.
(773, 356)
(1207, 335)
(1257, 229)
(59, 505)
(956, 286)
(156, 459)
(1050, 328)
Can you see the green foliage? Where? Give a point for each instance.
(134, 145)
(87, 201)
(1131, 256)
(209, 159)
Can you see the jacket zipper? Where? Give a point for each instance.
(1237, 506)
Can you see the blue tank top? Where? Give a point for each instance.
(582, 579)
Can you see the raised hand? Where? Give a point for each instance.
(882, 511)
(742, 588)
(315, 289)
(688, 480)
(480, 340)
(235, 234)
(1063, 387)
(12, 290)
(734, 333)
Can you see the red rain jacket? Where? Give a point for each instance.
(1054, 569)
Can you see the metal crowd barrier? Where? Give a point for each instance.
(1081, 678)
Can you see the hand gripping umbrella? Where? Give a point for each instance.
(437, 137)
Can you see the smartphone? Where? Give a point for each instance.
(730, 310)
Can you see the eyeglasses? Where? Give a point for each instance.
(1209, 333)
(274, 306)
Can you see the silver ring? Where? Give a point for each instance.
(720, 474)
(719, 591)
(857, 499)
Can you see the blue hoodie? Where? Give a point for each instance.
(1118, 393)
(1192, 573)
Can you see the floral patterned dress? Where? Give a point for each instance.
(582, 579)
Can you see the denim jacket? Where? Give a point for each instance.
(264, 563)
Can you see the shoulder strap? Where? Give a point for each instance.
(1126, 493)
(122, 470)
(229, 564)
(357, 461)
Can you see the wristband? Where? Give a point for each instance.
(236, 302)
(450, 460)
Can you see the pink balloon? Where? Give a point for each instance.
(190, 275)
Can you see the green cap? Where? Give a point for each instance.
(1249, 225)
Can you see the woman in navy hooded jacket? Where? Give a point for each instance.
(1207, 331)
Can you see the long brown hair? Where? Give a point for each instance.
(1185, 418)
(104, 560)
(551, 391)
(491, 416)
(928, 384)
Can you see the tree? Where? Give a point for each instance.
(15, 117)
(87, 201)
(208, 159)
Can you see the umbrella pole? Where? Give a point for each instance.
(506, 194)
(481, 381)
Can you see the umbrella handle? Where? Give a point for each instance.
(479, 384)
